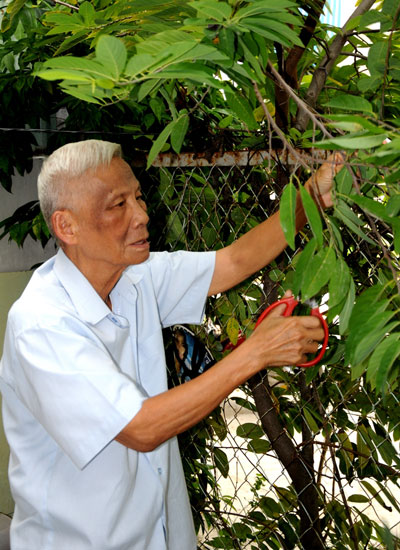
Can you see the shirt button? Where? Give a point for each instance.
(159, 470)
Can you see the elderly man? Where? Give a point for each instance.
(91, 426)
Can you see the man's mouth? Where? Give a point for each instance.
(142, 242)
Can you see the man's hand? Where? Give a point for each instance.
(279, 341)
(320, 184)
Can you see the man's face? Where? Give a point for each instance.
(112, 219)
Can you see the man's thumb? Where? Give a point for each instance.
(280, 310)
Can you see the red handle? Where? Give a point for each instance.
(316, 313)
(291, 303)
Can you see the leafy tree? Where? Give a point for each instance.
(209, 75)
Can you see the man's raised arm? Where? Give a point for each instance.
(263, 243)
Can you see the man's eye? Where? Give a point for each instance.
(119, 204)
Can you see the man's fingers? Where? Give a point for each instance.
(311, 346)
(310, 321)
(280, 310)
(336, 160)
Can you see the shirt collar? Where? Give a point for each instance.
(85, 299)
(87, 302)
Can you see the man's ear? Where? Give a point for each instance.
(64, 226)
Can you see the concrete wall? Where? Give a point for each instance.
(11, 286)
(15, 265)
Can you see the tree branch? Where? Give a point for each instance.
(300, 472)
(326, 66)
(279, 132)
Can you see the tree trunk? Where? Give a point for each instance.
(301, 473)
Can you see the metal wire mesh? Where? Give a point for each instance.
(343, 436)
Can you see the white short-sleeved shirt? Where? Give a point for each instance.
(73, 374)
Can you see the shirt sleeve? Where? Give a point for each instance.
(181, 281)
(72, 386)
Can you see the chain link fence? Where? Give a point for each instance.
(296, 458)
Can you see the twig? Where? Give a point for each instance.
(273, 124)
(379, 239)
(62, 3)
(297, 99)
(353, 532)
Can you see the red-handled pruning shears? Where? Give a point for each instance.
(291, 303)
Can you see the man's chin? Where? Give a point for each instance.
(138, 256)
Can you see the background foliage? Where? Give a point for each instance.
(210, 76)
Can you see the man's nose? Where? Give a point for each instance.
(139, 214)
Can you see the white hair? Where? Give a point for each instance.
(70, 161)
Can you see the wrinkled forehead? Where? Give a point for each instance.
(111, 180)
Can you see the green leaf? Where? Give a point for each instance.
(393, 206)
(302, 265)
(362, 446)
(179, 132)
(249, 430)
(321, 268)
(391, 498)
(382, 360)
(61, 74)
(375, 493)
(226, 40)
(349, 102)
(159, 143)
(396, 234)
(313, 216)
(345, 314)
(287, 213)
(252, 60)
(221, 461)
(264, 6)
(148, 87)
(174, 227)
(13, 8)
(242, 109)
(189, 71)
(359, 121)
(346, 448)
(88, 68)
(287, 38)
(111, 53)
(88, 13)
(375, 208)
(369, 83)
(353, 141)
(83, 93)
(260, 446)
(232, 330)
(344, 213)
(377, 59)
(364, 318)
(138, 64)
(368, 343)
(344, 182)
(339, 284)
(310, 421)
(358, 498)
(220, 11)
